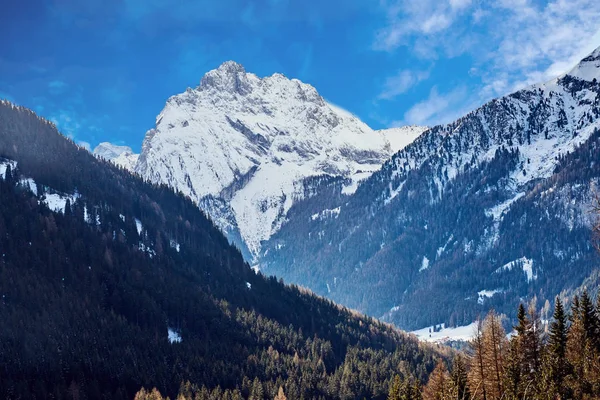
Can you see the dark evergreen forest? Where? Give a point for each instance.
(86, 300)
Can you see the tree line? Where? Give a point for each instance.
(559, 359)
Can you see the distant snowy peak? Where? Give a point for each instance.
(122, 156)
(252, 142)
(401, 137)
(109, 151)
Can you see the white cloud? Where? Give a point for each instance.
(511, 43)
(85, 145)
(436, 109)
(458, 4)
(401, 83)
(409, 19)
(57, 86)
(540, 43)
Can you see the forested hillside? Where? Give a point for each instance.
(473, 215)
(557, 359)
(109, 284)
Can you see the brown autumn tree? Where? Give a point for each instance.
(487, 363)
(438, 386)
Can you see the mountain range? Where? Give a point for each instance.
(416, 225)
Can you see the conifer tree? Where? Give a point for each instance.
(589, 318)
(557, 367)
(459, 387)
(437, 387)
(395, 386)
(477, 375)
(494, 348)
(577, 347)
(256, 393)
(512, 370)
(532, 348)
(280, 394)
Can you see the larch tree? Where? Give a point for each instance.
(495, 345)
(437, 387)
(477, 375)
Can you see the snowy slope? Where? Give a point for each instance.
(443, 334)
(248, 143)
(122, 156)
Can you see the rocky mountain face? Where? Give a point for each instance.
(483, 212)
(245, 149)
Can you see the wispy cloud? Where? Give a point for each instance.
(57, 86)
(539, 43)
(401, 83)
(436, 109)
(512, 43)
(408, 20)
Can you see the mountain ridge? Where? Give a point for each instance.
(392, 217)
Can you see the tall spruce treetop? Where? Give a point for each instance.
(588, 316)
(558, 331)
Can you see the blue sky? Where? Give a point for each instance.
(103, 69)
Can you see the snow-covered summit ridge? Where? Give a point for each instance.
(120, 155)
(252, 142)
(588, 69)
(109, 151)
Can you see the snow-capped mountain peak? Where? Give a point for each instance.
(229, 77)
(120, 155)
(249, 143)
(110, 151)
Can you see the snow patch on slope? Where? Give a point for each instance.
(483, 294)
(463, 333)
(173, 336)
(57, 201)
(525, 263)
(4, 166)
(424, 264)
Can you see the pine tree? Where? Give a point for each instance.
(459, 386)
(589, 318)
(532, 346)
(256, 393)
(578, 347)
(512, 370)
(557, 368)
